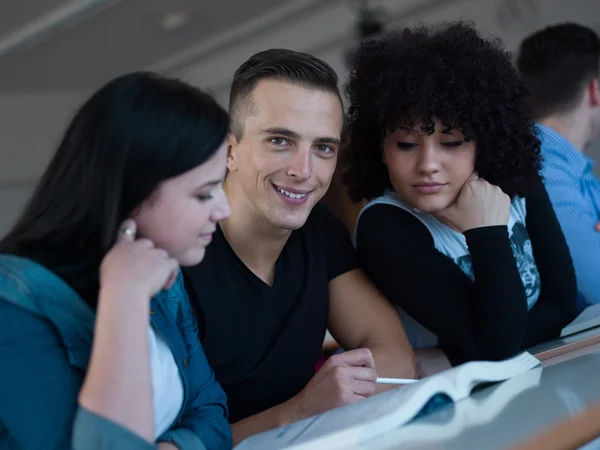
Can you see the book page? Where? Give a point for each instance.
(589, 318)
(355, 421)
(367, 418)
(477, 372)
(469, 412)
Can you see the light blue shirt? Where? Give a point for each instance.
(575, 195)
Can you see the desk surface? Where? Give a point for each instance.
(564, 390)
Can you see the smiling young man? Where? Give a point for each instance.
(281, 269)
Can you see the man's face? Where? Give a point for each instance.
(287, 155)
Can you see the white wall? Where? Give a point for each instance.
(329, 32)
(30, 126)
(31, 123)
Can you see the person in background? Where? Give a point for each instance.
(459, 232)
(560, 65)
(98, 343)
(282, 265)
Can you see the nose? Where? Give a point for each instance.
(300, 166)
(221, 209)
(428, 159)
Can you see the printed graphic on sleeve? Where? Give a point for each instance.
(523, 252)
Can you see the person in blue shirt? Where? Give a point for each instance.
(560, 65)
(98, 343)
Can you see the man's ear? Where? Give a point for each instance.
(232, 162)
(594, 91)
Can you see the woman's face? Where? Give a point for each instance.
(428, 171)
(182, 213)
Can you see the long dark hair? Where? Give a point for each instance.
(133, 133)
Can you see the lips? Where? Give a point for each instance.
(206, 237)
(291, 193)
(427, 184)
(429, 188)
(292, 196)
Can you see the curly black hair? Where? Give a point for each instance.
(448, 72)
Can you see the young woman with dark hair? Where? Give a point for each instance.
(98, 343)
(458, 232)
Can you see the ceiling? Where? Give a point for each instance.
(79, 44)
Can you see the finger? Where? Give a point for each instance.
(127, 231)
(597, 227)
(473, 177)
(449, 210)
(363, 388)
(356, 398)
(366, 374)
(145, 243)
(354, 358)
(162, 253)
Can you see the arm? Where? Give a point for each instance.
(361, 317)
(578, 225)
(39, 388)
(204, 420)
(556, 305)
(274, 417)
(485, 319)
(345, 378)
(118, 384)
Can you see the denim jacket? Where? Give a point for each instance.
(46, 333)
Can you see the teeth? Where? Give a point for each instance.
(291, 194)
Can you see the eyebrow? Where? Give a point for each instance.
(282, 132)
(212, 183)
(293, 135)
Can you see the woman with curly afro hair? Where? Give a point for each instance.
(459, 232)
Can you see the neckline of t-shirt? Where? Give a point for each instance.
(247, 269)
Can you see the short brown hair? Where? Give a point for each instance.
(286, 65)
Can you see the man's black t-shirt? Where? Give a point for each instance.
(263, 342)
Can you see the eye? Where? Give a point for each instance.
(325, 148)
(452, 144)
(406, 145)
(204, 197)
(279, 141)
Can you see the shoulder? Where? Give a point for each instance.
(388, 213)
(559, 157)
(384, 220)
(21, 277)
(322, 226)
(40, 291)
(18, 322)
(321, 216)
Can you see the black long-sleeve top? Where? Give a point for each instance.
(484, 319)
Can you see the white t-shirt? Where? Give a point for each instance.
(454, 245)
(167, 387)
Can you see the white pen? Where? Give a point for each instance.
(395, 380)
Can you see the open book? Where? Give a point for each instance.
(467, 413)
(589, 318)
(345, 426)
